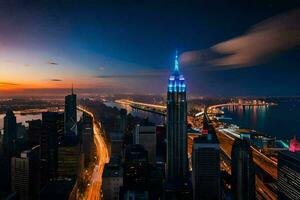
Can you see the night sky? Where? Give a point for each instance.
(130, 47)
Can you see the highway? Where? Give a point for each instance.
(226, 141)
(129, 102)
(264, 162)
(259, 159)
(157, 109)
(93, 191)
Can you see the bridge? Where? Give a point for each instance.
(267, 166)
(211, 109)
(153, 108)
(226, 137)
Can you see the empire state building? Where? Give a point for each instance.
(177, 160)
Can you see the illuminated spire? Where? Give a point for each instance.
(176, 69)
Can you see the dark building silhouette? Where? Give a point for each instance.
(146, 136)
(112, 179)
(135, 168)
(243, 172)
(25, 174)
(288, 175)
(9, 148)
(70, 117)
(206, 176)
(161, 147)
(34, 132)
(177, 162)
(68, 161)
(123, 120)
(53, 126)
(86, 137)
(10, 134)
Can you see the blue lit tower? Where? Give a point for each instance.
(177, 161)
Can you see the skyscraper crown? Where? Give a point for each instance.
(176, 68)
(176, 80)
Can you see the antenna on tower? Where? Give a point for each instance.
(72, 89)
(176, 62)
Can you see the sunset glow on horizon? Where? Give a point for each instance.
(99, 47)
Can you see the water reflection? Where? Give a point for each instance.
(23, 118)
(281, 121)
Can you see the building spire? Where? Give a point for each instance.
(72, 89)
(176, 68)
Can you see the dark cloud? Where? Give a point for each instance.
(137, 75)
(55, 80)
(52, 63)
(262, 41)
(8, 84)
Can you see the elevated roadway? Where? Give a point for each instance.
(153, 108)
(93, 191)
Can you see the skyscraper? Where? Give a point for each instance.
(10, 134)
(52, 136)
(70, 115)
(177, 161)
(87, 133)
(112, 179)
(135, 168)
(177, 185)
(206, 167)
(34, 132)
(8, 148)
(146, 136)
(25, 174)
(288, 175)
(242, 167)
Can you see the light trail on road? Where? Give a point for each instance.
(129, 102)
(94, 189)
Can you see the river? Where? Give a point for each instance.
(27, 117)
(281, 121)
(155, 118)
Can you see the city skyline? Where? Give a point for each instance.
(111, 47)
(111, 151)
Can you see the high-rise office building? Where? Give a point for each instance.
(25, 174)
(112, 179)
(243, 173)
(70, 116)
(21, 131)
(9, 148)
(206, 175)
(135, 168)
(68, 161)
(34, 132)
(123, 120)
(161, 146)
(10, 134)
(288, 175)
(177, 160)
(146, 136)
(177, 185)
(87, 133)
(53, 126)
(117, 141)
